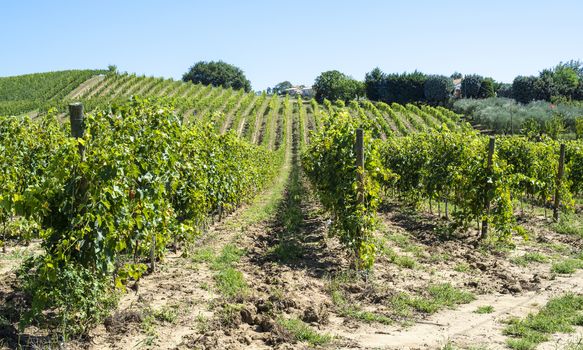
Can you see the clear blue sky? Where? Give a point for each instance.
(291, 40)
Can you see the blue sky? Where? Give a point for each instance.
(295, 40)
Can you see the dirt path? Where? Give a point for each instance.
(464, 327)
(244, 117)
(85, 86)
(260, 116)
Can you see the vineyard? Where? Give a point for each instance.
(164, 214)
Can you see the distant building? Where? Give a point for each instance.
(457, 88)
(308, 92)
(293, 91)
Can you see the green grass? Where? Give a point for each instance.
(202, 323)
(528, 258)
(404, 261)
(462, 267)
(228, 314)
(302, 332)
(486, 309)
(558, 316)
(166, 314)
(574, 345)
(399, 260)
(291, 217)
(569, 224)
(230, 254)
(204, 254)
(557, 247)
(350, 309)
(567, 267)
(287, 251)
(439, 257)
(403, 242)
(231, 283)
(440, 296)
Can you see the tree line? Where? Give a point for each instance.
(564, 82)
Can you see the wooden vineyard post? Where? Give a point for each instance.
(78, 131)
(153, 253)
(560, 174)
(359, 150)
(77, 123)
(488, 189)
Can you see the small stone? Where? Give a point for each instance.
(318, 315)
(247, 316)
(513, 287)
(354, 288)
(535, 279)
(266, 324)
(481, 266)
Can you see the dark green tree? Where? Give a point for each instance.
(217, 73)
(578, 94)
(472, 86)
(524, 89)
(334, 85)
(438, 88)
(405, 88)
(488, 88)
(281, 87)
(504, 90)
(566, 80)
(456, 75)
(374, 82)
(545, 87)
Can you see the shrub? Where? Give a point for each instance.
(471, 86)
(523, 89)
(217, 74)
(438, 88)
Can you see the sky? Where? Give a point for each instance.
(274, 41)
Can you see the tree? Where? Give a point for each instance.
(579, 127)
(566, 79)
(405, 88)
(524, 88)
(438, 88)
(472, 86)
(456, 75)
(487, 88)
(578, 94)
(217, 73)
(374, 82)
(281, 87)
(504, 90)
(545, 87)
(334, 85)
